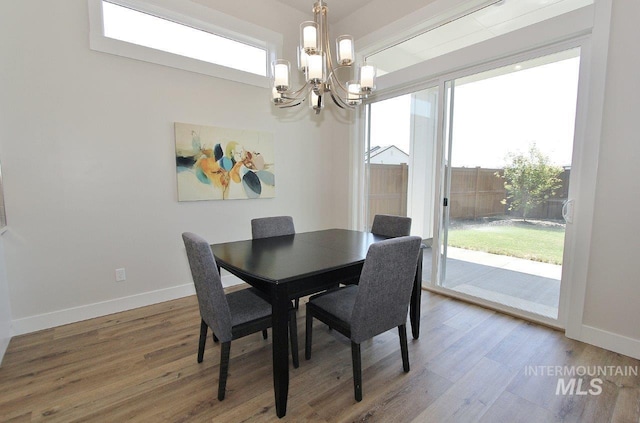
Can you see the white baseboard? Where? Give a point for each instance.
(611, 341)
(230, 280)
(89, 311)
(4, 343)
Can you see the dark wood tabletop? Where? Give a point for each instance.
(290, 266)
(290, 258)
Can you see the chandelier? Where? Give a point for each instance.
(316, 62)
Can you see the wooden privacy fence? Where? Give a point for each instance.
(388, 189)
(478, 192)
(475, 193)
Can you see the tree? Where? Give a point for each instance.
(529, 180)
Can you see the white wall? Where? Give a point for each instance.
(612, 305)
(5, 307)
(88, 161)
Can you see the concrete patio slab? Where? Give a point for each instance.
(523, 284)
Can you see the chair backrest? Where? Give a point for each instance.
(265, 227)
(384, 290)
(212, 300)
(391, 226)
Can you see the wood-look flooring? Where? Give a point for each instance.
(469, 365)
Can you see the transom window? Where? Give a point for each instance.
(144, 31)
(123, 23)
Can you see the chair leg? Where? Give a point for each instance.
(203, 340)
(402, 331)
(357, 371)
(308, 335)
(297, 303)
(224, 369)
(265, 335)
(215, 338)
(293, 336)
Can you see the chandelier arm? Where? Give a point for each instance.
(291, 99)
(340, 102)
(334, 77)
(285, 101)
(322, 20)
(327, 47)
(306, 87)
(346, 97)
(287, 105)
(337, 103)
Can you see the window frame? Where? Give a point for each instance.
(578, 28)
(185, 13)
(440, 12)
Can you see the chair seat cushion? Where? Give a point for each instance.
(338, 302)
(246, 306)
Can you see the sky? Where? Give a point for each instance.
(499, 115)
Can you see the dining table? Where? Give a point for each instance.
(286, 267)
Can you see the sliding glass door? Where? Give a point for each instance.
(400, 159)
(482, 164)
(507, 156)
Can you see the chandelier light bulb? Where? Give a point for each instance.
(303, 60)
(345, 50)
(281, 75)
(276, 96)
(353, 93)
(367, 77)
(315, 75)
(309, 39)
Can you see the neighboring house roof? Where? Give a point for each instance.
(389, 154)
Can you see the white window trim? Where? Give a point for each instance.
(422, 20)
(568, 30)
(185, 13)
(544, 33)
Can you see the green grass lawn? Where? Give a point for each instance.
(526, 241)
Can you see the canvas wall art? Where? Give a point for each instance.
(214, 163)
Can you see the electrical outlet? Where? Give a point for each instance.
(120, 275)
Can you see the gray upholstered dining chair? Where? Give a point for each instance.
(377, 304)
(391, 226)
(265, 227)
(230, 316)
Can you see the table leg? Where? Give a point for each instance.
(280, 317)
(416, 297)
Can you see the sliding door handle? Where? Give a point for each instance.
(567, 211)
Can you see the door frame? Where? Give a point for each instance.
(576, 175)
(584, 168)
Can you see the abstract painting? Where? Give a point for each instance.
(214, 163)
